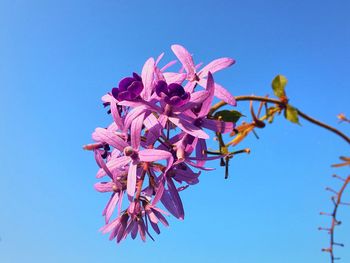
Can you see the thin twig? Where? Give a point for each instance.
(335, 222)
(276, 101)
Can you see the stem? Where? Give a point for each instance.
(334, 217)
(276, 101)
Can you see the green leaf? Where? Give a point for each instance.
(278, 85)
(228, 115)
(291, 114)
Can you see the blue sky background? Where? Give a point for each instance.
(57, 58)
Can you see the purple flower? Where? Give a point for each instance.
(129, 88)
(173, 94)
(134, 220)
(156, 138)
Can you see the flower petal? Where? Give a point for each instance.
(189, 127)
(208, 101)
(111, 138)
(173, 77)
(218, 126)
(220, 92)
(147, 76)
(216, 65)
(171, 200)
(113, 164)
(152, 155)
(185, 58)
(136, 127)
(131, 182)
(196, 99)
(111, 206)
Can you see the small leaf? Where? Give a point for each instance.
(278, 85)
(228, 115)
(291, 114)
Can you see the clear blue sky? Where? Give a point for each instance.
(57, 58)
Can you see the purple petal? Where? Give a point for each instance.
(142, 229)
(171, 200)
(161, 218)
(134, 230)
(136, 87)
(161, 88)
(216, 65)
(125, 83)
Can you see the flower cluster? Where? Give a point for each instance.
(156, 145)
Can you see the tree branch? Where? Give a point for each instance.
(283, 104)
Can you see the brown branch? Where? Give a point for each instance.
(283, 104)
(337, 201)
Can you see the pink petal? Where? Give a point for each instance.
(147, 76)
(109, 227)
(189, 87)
(196, 99)
(168, 65)
(115, 113)
(113, 164)
(185, 58)
(152, 155)
(154, 129)
(102, 164)
(132, 115)
(111, 206)
(208, 101)
(201, 151)
(104, 187)
(218, 126)
(111, 138)
(216, 65)
(159, 191)
(159, 58)
(131, 182)
(220, 92)
(136, 127)
(189, 128)
(173, 77)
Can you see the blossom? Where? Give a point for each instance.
(155, 146)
